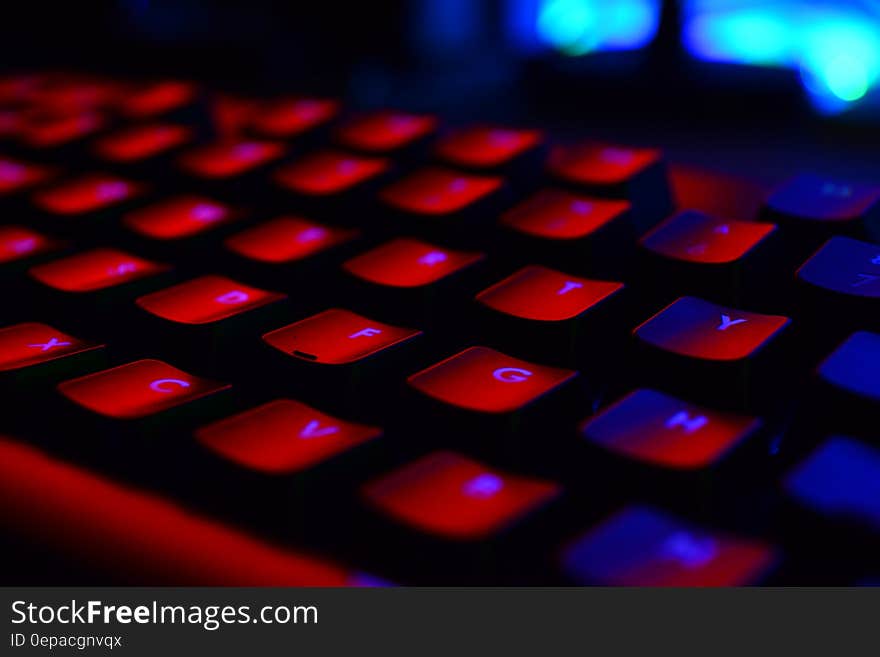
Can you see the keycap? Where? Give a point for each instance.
(142, 142)
(291, 118)
(21, 244)
(34, 355)
(817, 206)
(186, 219)
(549, 314)
(437, 201)
(411, 278)
(281, 250)
(157, 98)
(385, 131)
(489, 402)
(487, 147)
(661, 447)
(96, 269)
(329, 173)
(198, 322)
(17, 176)
(848, 397)
(456, 498)
(724, 259)
(137, 389)
(839, 287)
(576, 232)
(56, 131)
(642, 546)
(347, 358)
(720, 354)
(283, 437)
(635, 174)
(229, 159)
(168, 544)
(838, 486)
(88, 193)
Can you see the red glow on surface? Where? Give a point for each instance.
(16, 175)
(205, 299)
(293, 116)
(697, 328)
(385, 131)
(157, 98)
(436, 191)
(329, 172)
(283, 436)
(178, 217)
(594, 163)
(337, 337)
(59, 130)
(558, 215)
(287, 239)
(142, 142)
(408, 263)
(137, 389)
(140, 537)
(452, 496)
(95, 270)
(228, 159)
(486, 146)
(485, 380)
(87, 193)
(17, 242)
(23, 345)
(547, 295)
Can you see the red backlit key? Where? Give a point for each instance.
(654, 442)
(283, 437)
(438, 192)
(205, 300)
(698, 253)
(142, 142)
(229, 159)
(31, 355)
(713, 346)
(179, 218)
(16, 175)
(287, 240)
(61, 130)
(455, 498)
(385, 131)
(20, 243)
(95, 270)
(292, 117)
(548, 313)
(559, 227)
(486, 147)
(329, 172)
(409, 263)
(337, 337)
(157, 98)
(636, 174)
(168, 544)
(341, 360)
(410, 280)
(138, 389)
(88, 193)
(640, 546)
(486, 381)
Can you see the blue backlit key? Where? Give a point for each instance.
(840, 480)
(823, 205)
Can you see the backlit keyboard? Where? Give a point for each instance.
(287, 341)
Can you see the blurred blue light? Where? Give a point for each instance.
(834, 45)
(579, 27)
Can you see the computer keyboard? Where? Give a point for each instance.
(283, 341)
